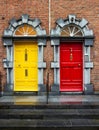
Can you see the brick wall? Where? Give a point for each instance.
(88, 9)
(15, 8)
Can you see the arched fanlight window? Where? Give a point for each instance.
(71, 31)
(25, 30)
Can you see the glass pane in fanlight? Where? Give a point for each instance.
(71, 30)
(25, 30)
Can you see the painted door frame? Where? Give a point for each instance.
(8, 43)
(87, 39)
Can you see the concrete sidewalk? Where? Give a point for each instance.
(61, 99)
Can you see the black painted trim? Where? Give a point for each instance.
(47, 37)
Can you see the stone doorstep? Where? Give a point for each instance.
(43, 105)
(5, 123)
(49, 113)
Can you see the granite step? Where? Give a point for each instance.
(54, 115)
(49, 113)
(66, 105)
(64, 123)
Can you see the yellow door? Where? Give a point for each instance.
(25, 66)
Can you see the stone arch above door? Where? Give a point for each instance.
(86, 36)
(10, 36)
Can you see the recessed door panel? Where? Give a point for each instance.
(71, 67)
(25, 66)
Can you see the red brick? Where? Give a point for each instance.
(88, 9)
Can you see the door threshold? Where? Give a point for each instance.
(71, 93)
(23, 93)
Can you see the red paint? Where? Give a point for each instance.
(71, 66)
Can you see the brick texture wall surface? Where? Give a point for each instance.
(88, 9)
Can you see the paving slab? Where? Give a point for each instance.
(61, 99)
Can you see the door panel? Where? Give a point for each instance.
(25, 66)
(71, 67)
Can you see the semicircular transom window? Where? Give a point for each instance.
(71, 31)
(25, 30)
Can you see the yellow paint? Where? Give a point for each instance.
(25, 67)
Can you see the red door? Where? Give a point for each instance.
(71, 66)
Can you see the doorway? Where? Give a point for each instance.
(25, 66)
(71, 66)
